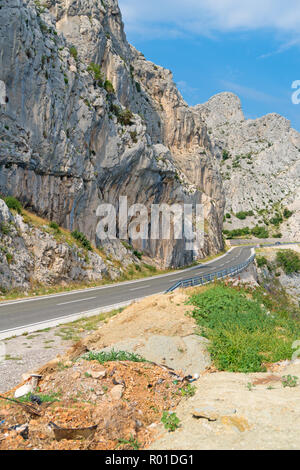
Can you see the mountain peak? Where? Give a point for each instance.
(220, 109)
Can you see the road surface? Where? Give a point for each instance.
(29, 312)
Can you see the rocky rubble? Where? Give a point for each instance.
(270, 272)
(85, 405)
(31, 255)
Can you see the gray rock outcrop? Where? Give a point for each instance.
(32, 255)
(68, 143)
(260, 164)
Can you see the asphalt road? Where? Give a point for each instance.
(23, 313)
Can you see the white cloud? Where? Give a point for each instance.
(250, 93)
(209, 16)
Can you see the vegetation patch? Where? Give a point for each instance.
(108, 86)
(261, 261)
(170, 421)
(81, 238)
(289, 261)
(247, 328)
(113, 356)
(95, 71)
(74, 52)
(13, 204)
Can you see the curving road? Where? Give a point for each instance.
(30, 314)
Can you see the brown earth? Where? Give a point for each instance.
(125, 402)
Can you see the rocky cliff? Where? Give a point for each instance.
(35, 254)
(86, 119)
(260, 166)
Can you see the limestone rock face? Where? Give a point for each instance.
(259, 161)
(34, 255)
(65, 145)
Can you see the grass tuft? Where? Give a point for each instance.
(113, 356)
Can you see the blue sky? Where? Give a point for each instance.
(249, 47)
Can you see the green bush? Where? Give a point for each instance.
(241, 215)
(288, 260)
(125, 117)
(73, 52)
(277, 220)
(261, 261)
(260, 232)
(138, 254)
(54, 226)
(153, 269)
(287, 214)
(244, 214)
(115, 109)
(9, 258)
(133, 136)
(243, 334)
(225, 155)
(170, 421)
(238, 232)
(95, 71)
(13, 203)
(82, 239)
(5, 229)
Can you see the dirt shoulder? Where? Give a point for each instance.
(264, 416)
(121, 402)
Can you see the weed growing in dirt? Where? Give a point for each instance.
(47, 398)
(133, 443)
(188, 391)
(113, 356)
(170, 421)
(246, 328)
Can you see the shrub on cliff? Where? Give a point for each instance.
(108, 86)
(13, 203)
(260, 232)
(125, 117)
(81, 238)
(289, 261)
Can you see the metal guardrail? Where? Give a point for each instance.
(207, 278)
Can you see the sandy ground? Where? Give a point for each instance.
(265, 417)
(26, 353)
(157, 315)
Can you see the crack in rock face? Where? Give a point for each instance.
(2, 92)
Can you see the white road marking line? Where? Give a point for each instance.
(138, 288)
(91, 289)
(74, 301)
